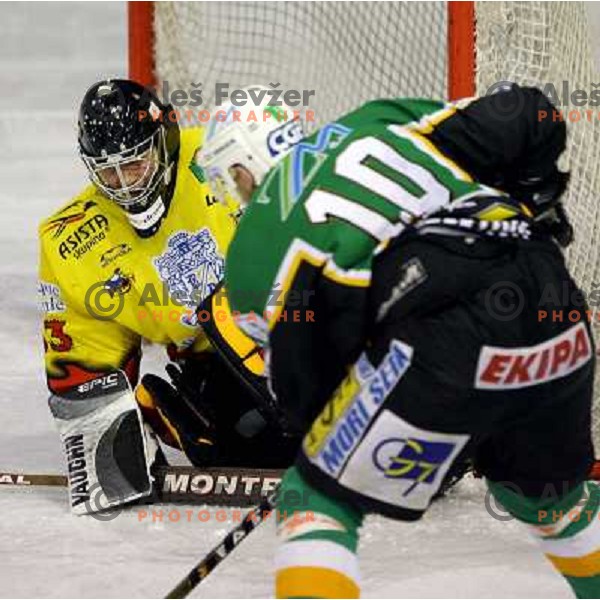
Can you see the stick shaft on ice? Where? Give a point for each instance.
(250, 522)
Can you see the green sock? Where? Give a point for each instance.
(297, 495)
(567, 528)
(318, 535)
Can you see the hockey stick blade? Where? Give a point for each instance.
(207, 565)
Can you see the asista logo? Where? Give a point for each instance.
(512, 368)
(87, 235)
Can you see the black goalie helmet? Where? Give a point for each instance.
(130, 148)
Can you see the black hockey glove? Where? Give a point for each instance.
(207, 412)
(241, 435)
(542, 197)
(178, 416)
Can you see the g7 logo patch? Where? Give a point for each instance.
(413, 459)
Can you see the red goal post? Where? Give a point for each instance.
(140, 41)
(460, 45)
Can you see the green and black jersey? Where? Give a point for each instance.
(298, 270)
(338, 195)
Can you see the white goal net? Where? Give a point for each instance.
(347, 53)
(350, 52)
(542, 43)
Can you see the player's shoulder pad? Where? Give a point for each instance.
(190, 141)
(399, 111)
(89, 203)
(85, 217)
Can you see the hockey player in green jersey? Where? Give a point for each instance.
(366, 263)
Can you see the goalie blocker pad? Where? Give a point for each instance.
(240, 353)
(108, 448)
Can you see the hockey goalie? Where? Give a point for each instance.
(425, 234)
(131, 259)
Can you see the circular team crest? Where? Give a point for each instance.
(191, 266)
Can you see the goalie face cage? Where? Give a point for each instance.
(352, 52)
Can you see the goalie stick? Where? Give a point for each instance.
(207, 565)
(32, 479)
(224, 486)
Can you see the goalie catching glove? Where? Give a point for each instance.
(218, 408)
(178, 414)
(208, 414)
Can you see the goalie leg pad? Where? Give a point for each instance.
(109, 450)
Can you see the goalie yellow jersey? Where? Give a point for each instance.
(103, 288)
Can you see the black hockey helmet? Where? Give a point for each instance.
(130, 148)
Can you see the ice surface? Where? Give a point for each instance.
(49, 54)
(457, 551)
